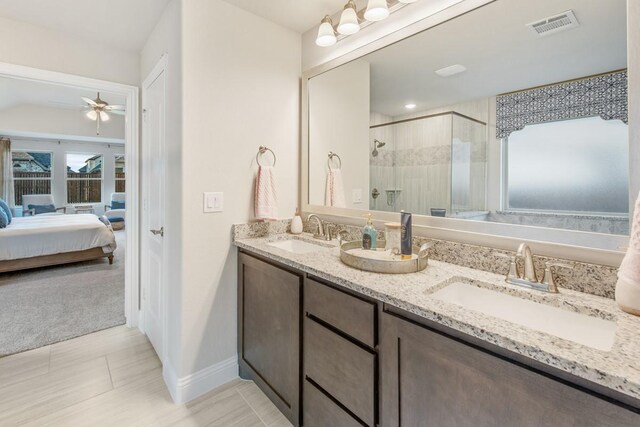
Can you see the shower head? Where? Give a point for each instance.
(377, 144)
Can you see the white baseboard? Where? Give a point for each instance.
(187, 388)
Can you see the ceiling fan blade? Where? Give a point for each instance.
(89, 101)
(118, 112)
(115, 107)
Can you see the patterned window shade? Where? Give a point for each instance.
(603, 95)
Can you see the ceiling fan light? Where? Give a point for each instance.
(104, 116)
(92, 114)
(326, 33)
(349, 20)
(377, 10)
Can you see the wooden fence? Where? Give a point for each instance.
(84, 187)
(81, 187)
(31, 183)
(120, 182)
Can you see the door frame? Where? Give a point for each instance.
(162, 66)
(132, 163)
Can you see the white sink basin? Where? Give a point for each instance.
(587, 330)
(295, 246)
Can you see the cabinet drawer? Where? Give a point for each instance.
(341, 368)
(320, 411)
(349, 314)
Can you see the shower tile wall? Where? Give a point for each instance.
(416, 160)
(423, 164)
(381, 174)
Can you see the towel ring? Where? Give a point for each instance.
(263, 149)
(331, 156)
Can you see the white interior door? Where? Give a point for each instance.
(153, 264)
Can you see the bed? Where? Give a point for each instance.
(44, 240)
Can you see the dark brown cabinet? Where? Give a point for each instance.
(431, 379)
(327, 356)
(269, 311)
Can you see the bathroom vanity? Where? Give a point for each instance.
(335, 346)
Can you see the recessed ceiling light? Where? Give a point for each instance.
(451, 70)
(410, 106)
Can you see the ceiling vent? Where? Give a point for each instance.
(554, 24)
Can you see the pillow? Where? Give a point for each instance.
(4, 220)
(5, 207)
(117, 205)
(41, 209)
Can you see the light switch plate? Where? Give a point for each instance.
(213, 202)
(357, 195)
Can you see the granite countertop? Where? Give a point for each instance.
(617, 369)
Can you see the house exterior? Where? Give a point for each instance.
(31, 162)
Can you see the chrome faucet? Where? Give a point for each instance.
(320, 233)
(528, 279)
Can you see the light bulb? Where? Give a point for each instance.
(104, 116)
(91, 114)
(349, 20)
(326, 34)
(377, 10)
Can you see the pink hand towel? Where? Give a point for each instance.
(334, 193)
(266, 201)
(628, 286)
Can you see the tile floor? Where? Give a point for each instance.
(113, 378)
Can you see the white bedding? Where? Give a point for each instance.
(40, 235)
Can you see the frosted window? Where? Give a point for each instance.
(577, 165)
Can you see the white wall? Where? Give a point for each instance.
(241, 77)
(166, 38)
(339, 122)
(233, 84)
(59, 150)
(58, 121)
(37, 47)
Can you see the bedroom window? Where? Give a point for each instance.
(120, 174)
(84, 178)
(32, 173)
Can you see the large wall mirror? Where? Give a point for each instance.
(515, 112)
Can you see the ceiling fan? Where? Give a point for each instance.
(98, 110)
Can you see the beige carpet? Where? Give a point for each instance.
(47, 305)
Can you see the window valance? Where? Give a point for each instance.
(603, 95)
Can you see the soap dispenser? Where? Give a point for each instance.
(369, 236)
(296, 223)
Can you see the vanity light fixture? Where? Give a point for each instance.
(349, 23)
(326, 33)
(352, 20)
(377, 10)
(410, 106)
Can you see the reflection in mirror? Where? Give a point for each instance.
(486, 117)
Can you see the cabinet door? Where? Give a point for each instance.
(269, 331)
(430, 379)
